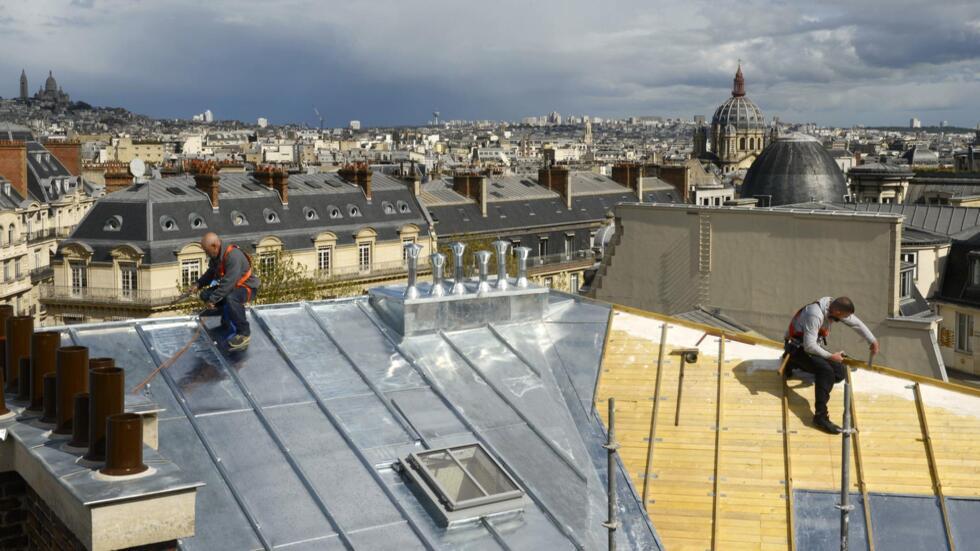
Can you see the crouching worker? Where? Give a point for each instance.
(227, 286)
(808, 328)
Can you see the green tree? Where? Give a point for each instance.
(473, 245)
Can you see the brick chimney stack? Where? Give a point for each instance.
(13, 165)
(474, 186)
(68, 153)
(275, 179)
(117, 176)
(206, 179)
(556, 178)
(358, 174)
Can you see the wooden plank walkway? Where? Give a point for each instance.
(751, 467)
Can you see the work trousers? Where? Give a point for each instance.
(826, 373)
(233, 310)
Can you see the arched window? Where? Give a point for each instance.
(10, 234)
(741, 144)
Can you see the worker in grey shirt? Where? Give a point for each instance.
(227, 287)
(808, 328)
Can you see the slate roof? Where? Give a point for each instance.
(48, 180)
(956, 276)
(296, 438)
(146, 209)
(941, 219)
(516, 203)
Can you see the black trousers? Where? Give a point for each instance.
(826, 373)
(233, 309)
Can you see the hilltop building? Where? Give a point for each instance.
(737, 133)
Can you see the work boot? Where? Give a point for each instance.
(239, 342)
(824, 423)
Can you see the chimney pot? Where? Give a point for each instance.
(50, 399)
(459, 287)
(412, 251)
(80, 427)
(500, 247)
(72, 378)
(18, 345)
(44, 350)
(522, 255)
(483, 262)
(107, 398)
(438, 261)
(24, 380)
(124, 445)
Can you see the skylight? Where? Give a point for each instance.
(461, 483)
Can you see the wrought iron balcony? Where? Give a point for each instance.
(107, 295)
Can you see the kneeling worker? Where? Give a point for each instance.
(810, 325)
(236, 286)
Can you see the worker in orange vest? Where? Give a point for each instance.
(227, 286)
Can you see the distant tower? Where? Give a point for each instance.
(588, 132)
(436, 115)
(23, 84)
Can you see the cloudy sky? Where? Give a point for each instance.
(837, 62)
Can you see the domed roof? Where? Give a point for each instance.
(795, 169)
(51, 85)
(738, 111)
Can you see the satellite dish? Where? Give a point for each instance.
(137, 168)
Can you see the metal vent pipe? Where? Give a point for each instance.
(95, 363)
(24, 380)
(72, 377)
(44, 353)
(438, 262)
(459, 288)
(80, 427)
(19, 331)
(412, 251)
(49, 414)
(107, 387)
(483, 262)
(500, 247)
(522, 255)
(124, 445)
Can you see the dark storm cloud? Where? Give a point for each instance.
(390, 61)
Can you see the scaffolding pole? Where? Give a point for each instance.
(653, 415)
(611, 446)
(845, 468)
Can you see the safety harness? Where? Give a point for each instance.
(822, 333)
(241, 281)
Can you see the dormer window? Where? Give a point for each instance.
(403, 207)
(167, 223)
(271, 216)
(905, 283)
(334, 212)
(353, 211)
(974, 268)
(113, 223)
(238, 219)
(388, 207)
(310, 214)
(196, 221)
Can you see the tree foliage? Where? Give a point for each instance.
(473, 245)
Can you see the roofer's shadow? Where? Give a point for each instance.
(761, 376)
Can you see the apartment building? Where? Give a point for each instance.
(138, 248)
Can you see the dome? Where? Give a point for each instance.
(795, 169)
(740, 112)
(50, 85)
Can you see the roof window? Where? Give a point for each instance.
(167, 223)
(196, 221)
(238, 219)
(310, 213)
(113, 223)
(388, 207)
(353, 211)
(403, 207)
(461, 483)
(271, 216)
(334, 212)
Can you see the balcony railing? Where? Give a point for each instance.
(44, 272)
(67, 293)
(377, 269)
(561, 258)
(47, 233)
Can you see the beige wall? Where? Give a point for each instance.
(930, 264)
(962, 361)
(760, 266)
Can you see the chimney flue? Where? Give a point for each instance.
(24, 380)
(80, 427)
(44, 348)
(124, 445)
(500, 247)
(107, 398)
(438, 261)
(19, 331)
(459, 288)
(72, 378)
(483, 262)
(412, 251)
(522, 255)
(49, 416)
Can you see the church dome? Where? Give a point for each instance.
(738, 111)
(50, 85)
(794, 169)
